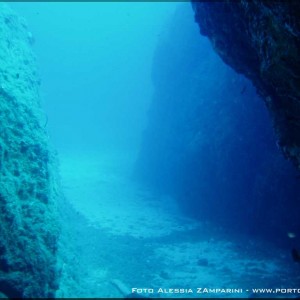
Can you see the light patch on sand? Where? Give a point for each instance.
(147, 242)
(116, 203)
(213, 264)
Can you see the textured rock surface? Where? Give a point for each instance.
(28, 185)
(210, 141)
(261, 39)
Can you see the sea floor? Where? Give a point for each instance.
(118, 235)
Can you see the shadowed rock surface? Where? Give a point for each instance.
(28, 183)
(210, 142)
(261, 39)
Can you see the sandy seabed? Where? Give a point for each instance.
(122, 236)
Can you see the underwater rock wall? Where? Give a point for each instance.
(261, 39)
(28, 183)
(209, 141)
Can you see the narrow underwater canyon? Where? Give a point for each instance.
(211, 199)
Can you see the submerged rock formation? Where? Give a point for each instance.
(261, 39)
(209, 141)
(28, 183)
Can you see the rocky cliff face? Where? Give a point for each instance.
(28, 184)
(210, 142)
(261, 39)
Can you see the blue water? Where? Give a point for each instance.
(144, 208)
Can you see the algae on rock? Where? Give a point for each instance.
(28, 181)
(261, 39)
